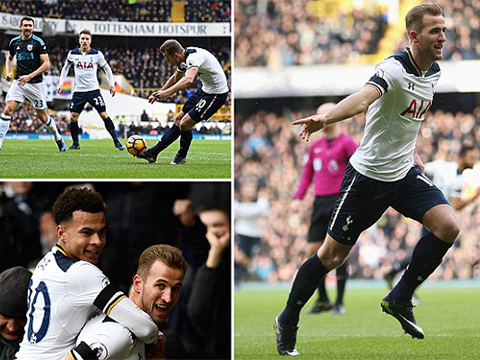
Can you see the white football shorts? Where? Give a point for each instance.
(33, 92)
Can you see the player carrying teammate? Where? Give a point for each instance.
(32, 62)
(156, 289)
(384, 171)
(67, 288)
(327, 160)
(190, 62)
(85, 61)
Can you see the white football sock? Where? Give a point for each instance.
(52, 127)
(4, 124)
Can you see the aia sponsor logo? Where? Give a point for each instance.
(84, 65)
(417, 109)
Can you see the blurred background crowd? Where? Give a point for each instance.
(121, 10)
(277, 33)
(268, 161)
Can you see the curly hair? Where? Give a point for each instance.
(169, 255)
(75, 198)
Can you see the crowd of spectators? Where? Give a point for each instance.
(278, 33)
(269, 152)
(120, 10)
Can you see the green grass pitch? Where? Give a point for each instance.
(100, 159)
(449, 316)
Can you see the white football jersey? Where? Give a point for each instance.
(210, 71)
(109, 340)
(446, 176)
(63, 294)
(393, 121)
(85, 67)
(61, 298)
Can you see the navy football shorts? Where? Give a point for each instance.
(93, 97)
(362, 201)
(321, 214)
(202, 106)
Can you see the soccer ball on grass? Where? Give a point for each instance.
(136, 145)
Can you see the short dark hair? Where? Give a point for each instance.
(465, 148)
(75, 198)
(414, 18)
(26, 18)
(169, 255)
(171, 47)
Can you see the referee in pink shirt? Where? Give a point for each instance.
(327, 159)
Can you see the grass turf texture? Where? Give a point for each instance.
(100, 159)
(450, 318)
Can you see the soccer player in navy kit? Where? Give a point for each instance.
(85, 61)
(384, 171)
(32, 62)
(191, 62)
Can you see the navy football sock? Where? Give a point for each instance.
(304, 285)
(426, 257)
(169, 137)
(185, 141)
(322, 291)
(342, 276)
(74, 131)
(110, 128)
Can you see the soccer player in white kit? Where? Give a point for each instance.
(191, 62)
(384, 171)
(67, 288)
(156, 289)
(32, 62)
(85, 61)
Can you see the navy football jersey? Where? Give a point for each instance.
(28, 55)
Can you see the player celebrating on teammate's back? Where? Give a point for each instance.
(384, 171)
(32, 62)
(190, 62)
(66, 287)
(156, 289)
(86, 61)
(327, 160)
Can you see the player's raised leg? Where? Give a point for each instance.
(10, 107)
(426, 257)
(331, 255)
(111, 130)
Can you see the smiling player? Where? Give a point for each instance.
(384, 171)
(156, 289)
(67, 288)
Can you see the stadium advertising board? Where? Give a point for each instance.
(120, 28)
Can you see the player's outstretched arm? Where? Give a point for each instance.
(350, 106)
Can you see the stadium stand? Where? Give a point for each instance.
(269, 152)
(122, 10)
(280, 34)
